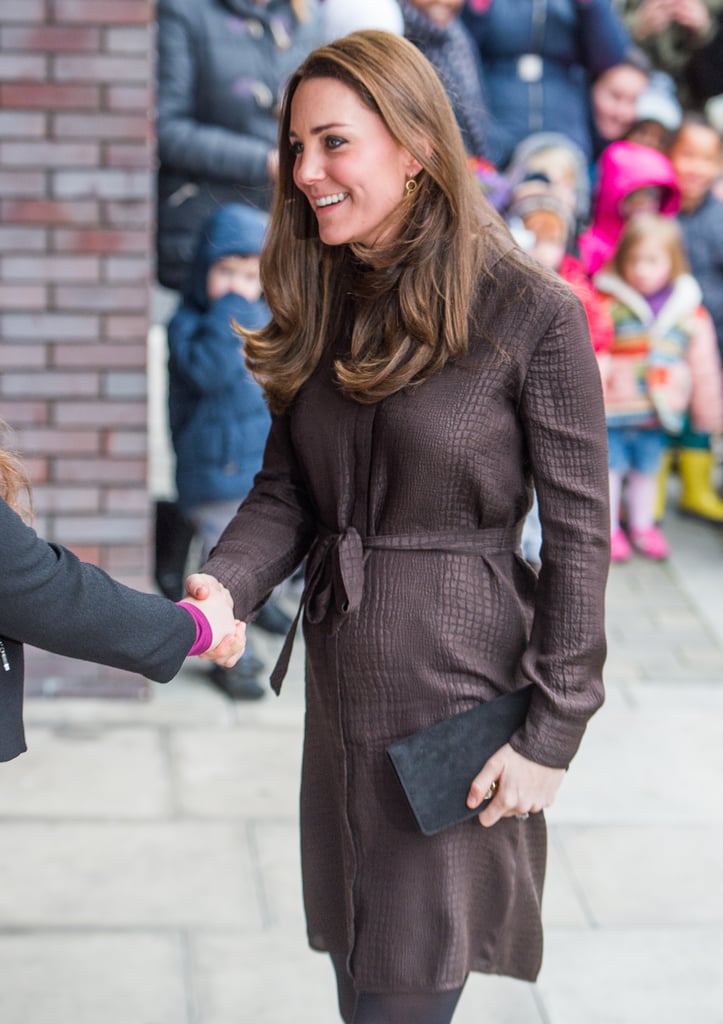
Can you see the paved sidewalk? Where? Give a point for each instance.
(149, 853)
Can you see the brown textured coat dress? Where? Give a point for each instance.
(418, 604)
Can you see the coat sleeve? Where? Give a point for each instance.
(52, 600)
(603, 33)
(272, 530)
(185, 143)
(562, 415)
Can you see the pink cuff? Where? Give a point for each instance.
(204, 635)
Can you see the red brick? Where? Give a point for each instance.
(100, 298)
(125, 442)
(23, 67)
(103, 470)
(21, 124)
(28, 10)
(101, 12)
(23, 296)
(38, 471)
(85, 552)
(50, 38)
(128, 40)
(101, 184)
(126, 499)
(49, 154)
(101, 529)
(102, 414)
(119, 384)
(50, 326)
(16, 239)
(26, 413)
(49, 211)
(58, 442)
(49, 96)
(129, 97)
(100, 240)
(49, 384)
(22, 183)
(130, 215)
(105, 126)
(50, 268)
(101, 356)
(22, 357)
(100, 67)
(118, 269)
(49, 499)
(126, 328)
(128, 154)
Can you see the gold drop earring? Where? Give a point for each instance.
(410, 187)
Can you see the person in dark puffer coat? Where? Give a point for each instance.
(538, 58)
(222, 65)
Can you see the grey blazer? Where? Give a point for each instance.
(50, 599)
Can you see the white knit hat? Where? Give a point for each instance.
(343, 16)
(659, 103)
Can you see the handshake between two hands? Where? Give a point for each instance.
(216, 603)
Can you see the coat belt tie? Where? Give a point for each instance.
(335, 570)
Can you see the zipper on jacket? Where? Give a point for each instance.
(4, 657)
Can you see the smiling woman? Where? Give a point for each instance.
(414, 363)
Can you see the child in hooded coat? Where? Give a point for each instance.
(218, 417)
(631, 179)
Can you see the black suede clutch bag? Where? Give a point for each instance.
(436, 765)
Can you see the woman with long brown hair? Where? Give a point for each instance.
(50, 599)
(421, 371)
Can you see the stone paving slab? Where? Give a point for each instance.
(633, 976)
(647, 876)
(647, 765)
(140, 875)
(250, 772)
(67, 977)
(83, 770)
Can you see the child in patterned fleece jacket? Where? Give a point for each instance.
(663, 370)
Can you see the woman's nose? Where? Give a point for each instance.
(308, 167)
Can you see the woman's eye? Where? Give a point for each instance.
(296, 147)
(333, 141)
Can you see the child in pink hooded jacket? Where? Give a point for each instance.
(631, 179)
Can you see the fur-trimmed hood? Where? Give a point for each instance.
(684, 300)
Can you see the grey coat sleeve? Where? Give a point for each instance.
(186, 144)
(52, 600)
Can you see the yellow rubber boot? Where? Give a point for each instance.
(661, 498)
(697, 496)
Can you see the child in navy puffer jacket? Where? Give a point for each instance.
(218, 417)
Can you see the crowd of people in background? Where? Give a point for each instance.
(591, 126)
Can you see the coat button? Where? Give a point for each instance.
(530, 67)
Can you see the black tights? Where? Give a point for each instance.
(392, 1007)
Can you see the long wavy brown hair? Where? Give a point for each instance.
(412, 296)
(14, 483)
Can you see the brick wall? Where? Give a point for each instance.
(76, 158)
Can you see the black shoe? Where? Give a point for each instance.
(273, 619)
(237, 685)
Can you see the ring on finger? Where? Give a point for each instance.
(523, 817)
(491, 791)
